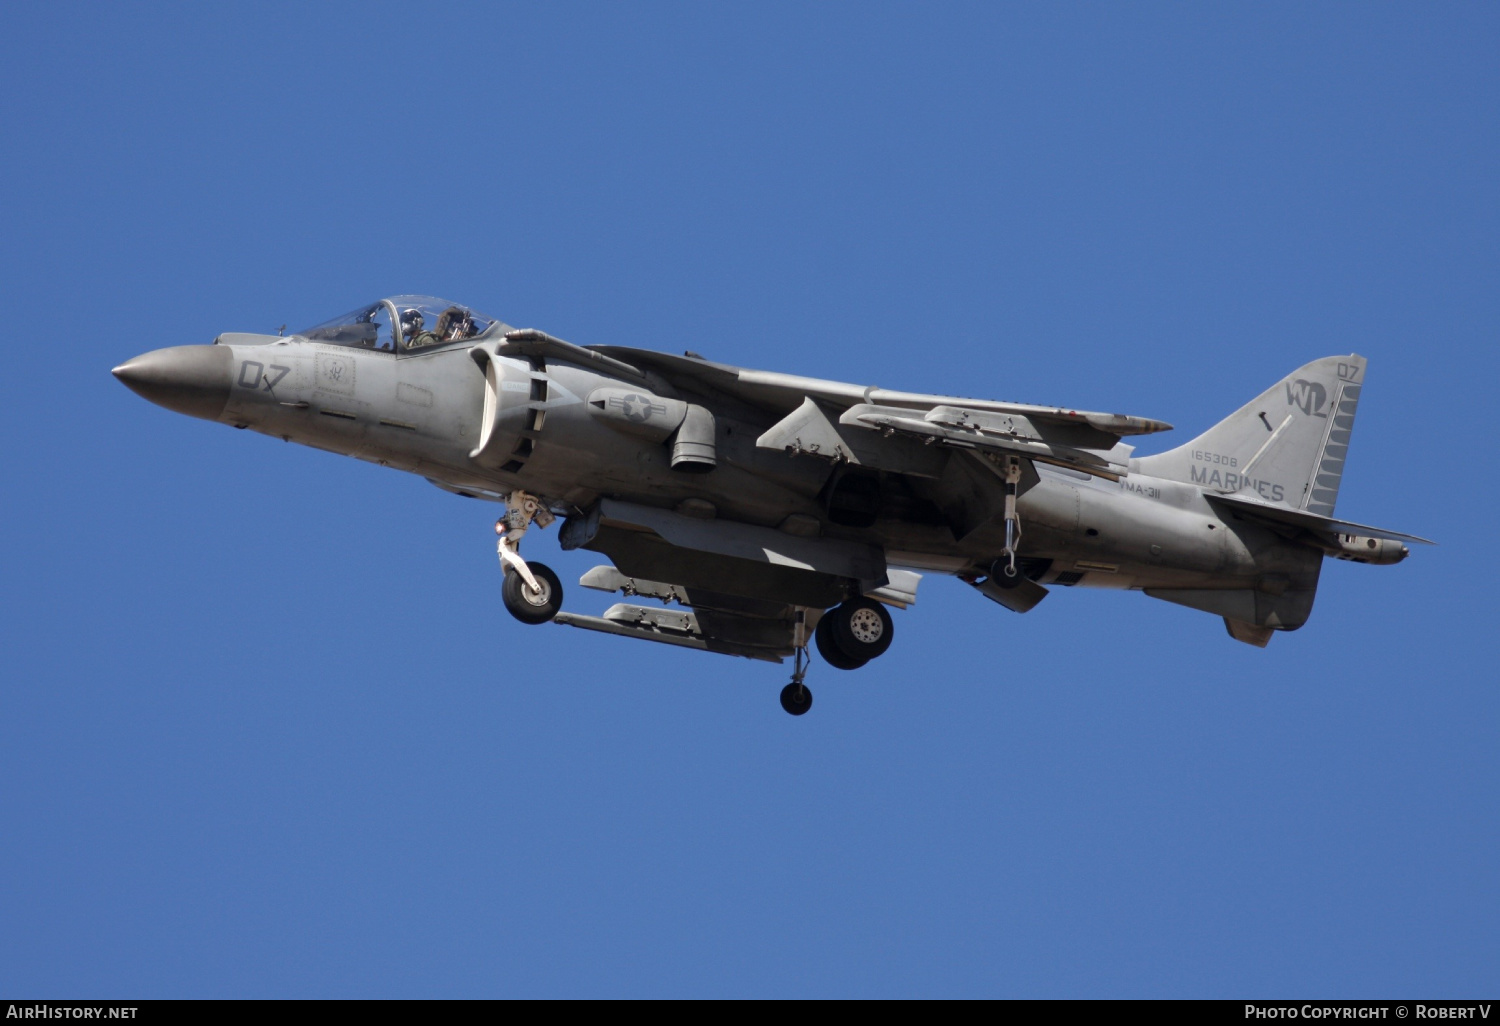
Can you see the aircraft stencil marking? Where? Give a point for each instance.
(1307, 396)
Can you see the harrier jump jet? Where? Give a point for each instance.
(764, 511)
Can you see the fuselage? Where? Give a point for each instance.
(489, 425)
(782, 510)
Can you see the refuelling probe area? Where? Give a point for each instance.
(1258, 1010)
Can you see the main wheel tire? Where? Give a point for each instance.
(796, 698)
(529, 606)
(862, 629)
(829, 649)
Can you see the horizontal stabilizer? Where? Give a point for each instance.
(1310, 521)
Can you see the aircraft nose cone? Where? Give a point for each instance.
(188, 379)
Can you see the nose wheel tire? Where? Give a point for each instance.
(860, 629)
(829, 649)
(796, 698)
(530, 606)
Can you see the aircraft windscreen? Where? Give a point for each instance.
(369, 327)
(412, 322)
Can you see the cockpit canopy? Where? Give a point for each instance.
(406, 324)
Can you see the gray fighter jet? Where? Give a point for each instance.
(775, 509)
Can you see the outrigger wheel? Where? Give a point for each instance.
(1006, 574)
(528, 605)
(796, 698)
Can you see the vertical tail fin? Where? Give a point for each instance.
(1287, 446)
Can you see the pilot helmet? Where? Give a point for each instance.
(411, 320)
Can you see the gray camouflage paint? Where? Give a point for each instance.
(606, 436)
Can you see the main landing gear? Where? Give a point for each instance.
(847, 636)
(850, 635)
(532, 593)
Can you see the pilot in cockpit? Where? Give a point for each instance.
(412, 331)
(455, 324)
(411, 322)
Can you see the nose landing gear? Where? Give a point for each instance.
(531, 593)
(536, 601)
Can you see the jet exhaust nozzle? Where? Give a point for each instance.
(193, 380)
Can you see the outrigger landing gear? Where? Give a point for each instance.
(532, 593)
(1005, 571)
(796, 697)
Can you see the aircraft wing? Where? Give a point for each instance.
(786, 392)
(994, 434)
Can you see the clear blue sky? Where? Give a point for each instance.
(266, 730)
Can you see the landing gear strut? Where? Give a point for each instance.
(796, 697)
(532, 593)
(1004, 571)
